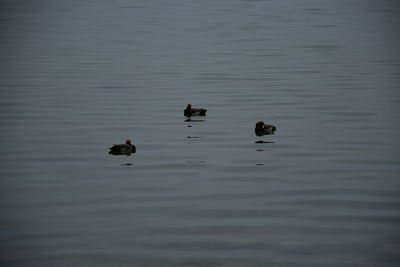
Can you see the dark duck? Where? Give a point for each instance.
(264, 129)
(189, 111)
(123, 149)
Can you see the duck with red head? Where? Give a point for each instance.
(189, 111)
(264, 129)
(123, 149)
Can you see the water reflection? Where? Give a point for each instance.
(127, 164)
(195, 161)
(190, 120)
(122, 152)
(263, 142)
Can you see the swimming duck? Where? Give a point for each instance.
(123, 149)
(189, 111)
(264, 129)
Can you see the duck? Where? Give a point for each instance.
(189, 111)
(123, 149)
(264, 129)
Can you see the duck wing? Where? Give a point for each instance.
(200, 111)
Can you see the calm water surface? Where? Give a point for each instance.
(79, 76)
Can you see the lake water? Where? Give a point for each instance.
(79, 76)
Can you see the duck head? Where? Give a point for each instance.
(260, 125)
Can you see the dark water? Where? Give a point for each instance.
(79, 76)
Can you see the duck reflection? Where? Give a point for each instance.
(120, 153)
(191, 120)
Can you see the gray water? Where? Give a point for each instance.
(79, 76)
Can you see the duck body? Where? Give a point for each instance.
(264, 129)
(123, 149)
(189, 111)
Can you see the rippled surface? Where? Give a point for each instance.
(77, 77)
